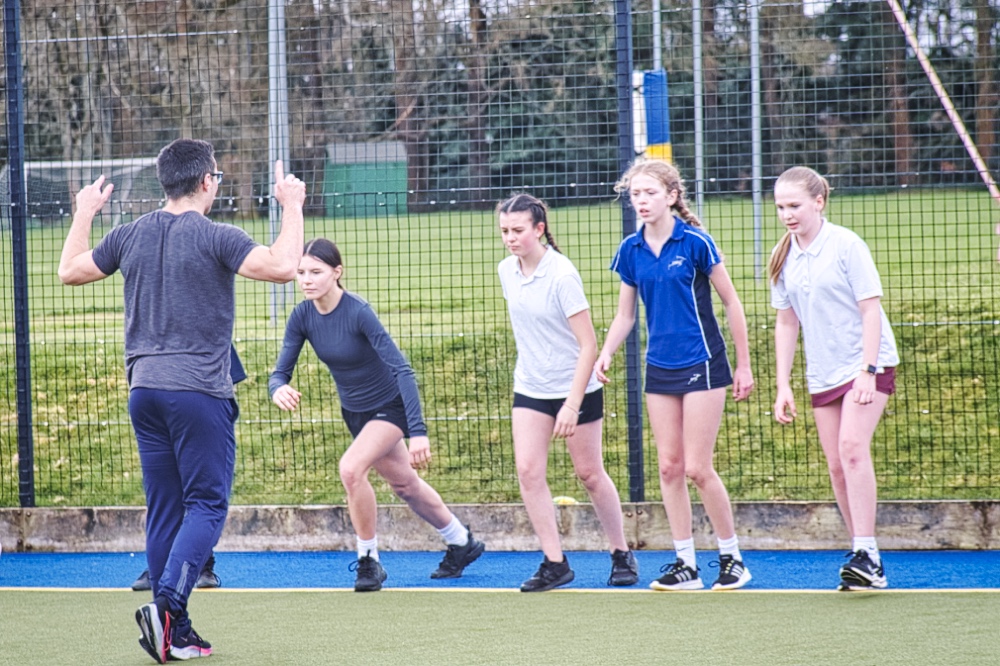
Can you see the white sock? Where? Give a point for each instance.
(368, 547)
(685, 551)
(730, 546)
(867, 544)
(454, 533)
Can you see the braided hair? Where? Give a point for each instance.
(520, 202)
(670, 177)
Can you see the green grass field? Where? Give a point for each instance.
(508, 628)
(432, 279)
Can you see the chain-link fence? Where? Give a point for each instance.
(408, 120)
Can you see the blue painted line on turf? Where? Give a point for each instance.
(772, 570)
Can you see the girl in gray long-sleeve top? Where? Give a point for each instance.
(380, 404)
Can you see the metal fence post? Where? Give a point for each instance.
(19, 249)
(626, 153)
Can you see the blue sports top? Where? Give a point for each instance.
(674, 286)
(366, 364)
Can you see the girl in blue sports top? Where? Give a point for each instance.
(823, 277)
(380, 404)
(555, 391)
(672, 263)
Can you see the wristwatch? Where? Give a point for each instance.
(871, 370)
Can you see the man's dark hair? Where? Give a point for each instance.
(182, 165)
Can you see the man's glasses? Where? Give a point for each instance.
(217, 175)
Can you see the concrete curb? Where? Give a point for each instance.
(902, 525)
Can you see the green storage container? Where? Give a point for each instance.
(365, 179)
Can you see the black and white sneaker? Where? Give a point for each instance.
(370, 574)
(861, 573)
(732, 573)
(154, 622)
(624, 569)
(549, 575)
(459, 557)
(677, 576)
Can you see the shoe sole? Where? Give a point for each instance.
(208, 583)
(695, 584)
(566, 579)
(624, 582)
(474, 554)
(745, 578)
(189, 652)
(155, 634)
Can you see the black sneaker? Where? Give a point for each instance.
(370, 576)
(459, 557)
(154, 622)
(624, 569)
(548, 576)
(191, 646)
(141, 583)
(677, 576)
(732, 573)
(861, 573)
(207, 577)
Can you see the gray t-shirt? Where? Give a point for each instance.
(366, 364)
(180, 299)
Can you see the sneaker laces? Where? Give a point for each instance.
(364, 566)
(675, 567)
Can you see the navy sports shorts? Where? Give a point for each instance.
(711, 374)
(394, 412)
(591, 408)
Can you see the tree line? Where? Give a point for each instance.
(493, 95)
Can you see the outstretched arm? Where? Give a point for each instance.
(76, 265)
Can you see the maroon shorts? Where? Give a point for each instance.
(885, 382)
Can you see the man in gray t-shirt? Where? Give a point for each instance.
(179, 272)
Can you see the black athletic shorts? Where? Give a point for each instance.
(591, 409)
(394, 412)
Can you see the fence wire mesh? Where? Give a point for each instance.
(409, 119)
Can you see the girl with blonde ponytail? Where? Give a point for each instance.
(673, 264)
(823, 277)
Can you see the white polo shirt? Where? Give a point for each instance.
(540, 306)
(823, 285)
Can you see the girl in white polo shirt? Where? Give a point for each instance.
(823, 277)
(555, 391)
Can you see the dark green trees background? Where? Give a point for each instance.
(493, 95)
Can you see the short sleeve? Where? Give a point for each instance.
(779, 295)
(232, 245)
(569, 292)
(704, 254)
(623, 263)
(862, 274)
(107, 254)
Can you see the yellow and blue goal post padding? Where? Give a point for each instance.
(653, 114)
